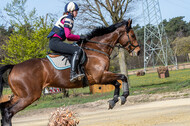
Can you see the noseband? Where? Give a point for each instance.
(129, 44)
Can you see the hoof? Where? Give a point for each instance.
(111, 104)
(5, 123)
(123, 100)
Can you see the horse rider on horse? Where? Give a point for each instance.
(62, 31)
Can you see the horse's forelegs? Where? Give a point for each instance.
(111, 78)
(116, 95)
(125, 87)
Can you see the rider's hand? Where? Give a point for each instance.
(83, 38)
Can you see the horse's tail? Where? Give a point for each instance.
(3, 70)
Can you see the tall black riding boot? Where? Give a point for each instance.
(74, 62)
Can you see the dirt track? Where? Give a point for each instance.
(159, 113)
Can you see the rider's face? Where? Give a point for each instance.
(75, 13)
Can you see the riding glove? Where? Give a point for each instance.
(83, 38)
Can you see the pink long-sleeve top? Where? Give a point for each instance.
(68, 34)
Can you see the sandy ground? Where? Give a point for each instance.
(172, 110)
(162, 113)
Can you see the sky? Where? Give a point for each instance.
(169, 8)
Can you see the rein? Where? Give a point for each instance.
(118, 46)
(128, 44)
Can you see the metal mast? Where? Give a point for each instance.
(156, 45)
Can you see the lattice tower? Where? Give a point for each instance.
(156, 45)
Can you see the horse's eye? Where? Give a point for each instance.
(133, 36)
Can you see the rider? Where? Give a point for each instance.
(62, 31)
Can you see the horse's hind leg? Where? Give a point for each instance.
(6, 115)
(16, 105)
(5, 121)
(21, 99)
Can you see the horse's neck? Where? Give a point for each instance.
(109, 39)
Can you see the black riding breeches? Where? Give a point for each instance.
(57, 45)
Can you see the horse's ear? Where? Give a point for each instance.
(129, 22)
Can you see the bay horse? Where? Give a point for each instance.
(27, 79)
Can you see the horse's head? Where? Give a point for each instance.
(128, 40)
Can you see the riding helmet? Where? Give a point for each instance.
(71, 6)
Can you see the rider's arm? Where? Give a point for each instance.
(69, 36)
(68, 24)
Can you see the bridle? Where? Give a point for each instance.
(128, 44)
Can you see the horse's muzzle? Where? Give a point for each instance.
(138, 53)
(134, 53)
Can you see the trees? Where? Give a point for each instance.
(4, 34)
(182, 45)
(29, 39)
(177, 30)
(16, 11)
(176, 27)
(99, 12)
(20, 47)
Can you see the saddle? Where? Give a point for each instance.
(63, 61)
(59, 62)
(64, 58)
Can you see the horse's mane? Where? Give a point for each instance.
(99, 31)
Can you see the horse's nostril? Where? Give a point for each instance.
(138, 53)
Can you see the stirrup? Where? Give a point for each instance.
(73, 79)
(77, 77)
(80, 76)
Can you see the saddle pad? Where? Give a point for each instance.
(60, 62)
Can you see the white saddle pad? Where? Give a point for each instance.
(60, 62)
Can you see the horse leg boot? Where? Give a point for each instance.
(116, 95)
(125, 87)
(74, 63)
(109, 77)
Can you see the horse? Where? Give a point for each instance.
(29, 78)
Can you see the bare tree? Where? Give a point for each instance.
(95, 13)
(17, 12)
(98, 12)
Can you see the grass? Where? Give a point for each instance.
(148, 84)
(49, 101)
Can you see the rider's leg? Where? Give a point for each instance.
(58, 45)
(74, 63)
